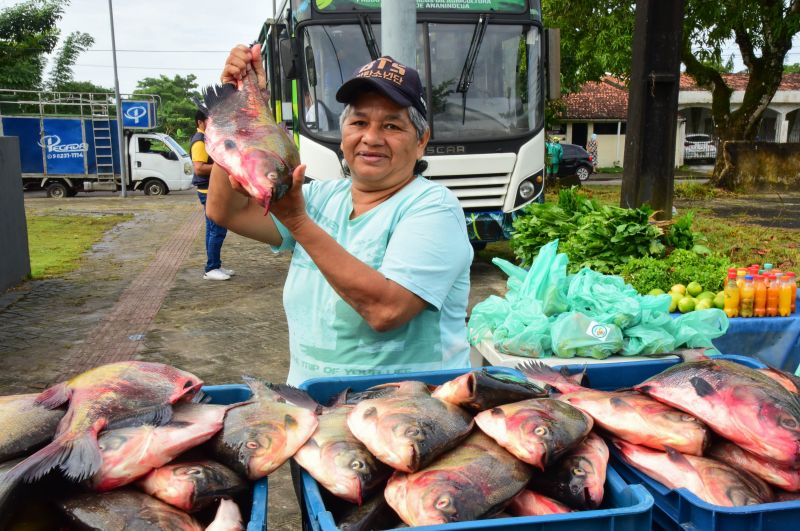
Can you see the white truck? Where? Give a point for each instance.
(69, 143)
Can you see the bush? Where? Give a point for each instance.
(680, 267)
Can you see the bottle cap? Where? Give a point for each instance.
(759, 277)
(791, 274)
(748, 277)
(767, 266)
(732, 275)
(731, 270)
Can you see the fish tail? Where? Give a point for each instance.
(78, 457)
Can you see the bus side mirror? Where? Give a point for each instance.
(552, 70)
(288, 57)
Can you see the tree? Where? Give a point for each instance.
(176, 113)
(27, 33)
(61, 73)
(596, 35)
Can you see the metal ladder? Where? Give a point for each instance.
(103, 153)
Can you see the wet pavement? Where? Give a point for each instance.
(139, 293)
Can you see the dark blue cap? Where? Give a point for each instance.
(396, 81)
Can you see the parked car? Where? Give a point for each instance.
(576, 161)
(699, 147)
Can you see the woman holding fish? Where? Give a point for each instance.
(379, 277)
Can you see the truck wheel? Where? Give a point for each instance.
(154, 187)
(57, 190)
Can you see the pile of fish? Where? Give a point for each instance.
(132, 445)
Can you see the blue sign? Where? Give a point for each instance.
(138, 114)
(63, 145)
(29, 132)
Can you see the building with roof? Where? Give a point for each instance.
(601, 107)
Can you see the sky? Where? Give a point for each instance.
(170, 37)
(174, 36)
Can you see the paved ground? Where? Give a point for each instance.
(140, 293)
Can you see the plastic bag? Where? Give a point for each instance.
(697, 329)
(606, 298)
(532, 342)
(486, 317)
(647, 339)
(575, 334)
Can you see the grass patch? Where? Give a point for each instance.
(695, 191)
(56, 243)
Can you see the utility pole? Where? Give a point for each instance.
(123, 159)
(653, 106)
(398, 30)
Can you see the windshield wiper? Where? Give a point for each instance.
(468, 71)
(369, 37)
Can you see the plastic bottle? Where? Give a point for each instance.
(773, 293)
(785, 296)
(760, 298)
(767, 268)
(740, 274)
(731, 296)
(746, 297)
(793, 284)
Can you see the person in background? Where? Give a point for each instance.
(591, 147)
(555, 153)
(379, 277)
(215, 234)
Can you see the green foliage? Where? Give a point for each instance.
(61, 73)
(680, 267)
(695, 191)
(680, 235)
(28, 33)
(792, 68)
(176, 113)
(602, 237)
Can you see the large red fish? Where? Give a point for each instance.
(242, 137)
(120, 394)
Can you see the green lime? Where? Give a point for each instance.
(703, 304)
(686, 305)
(676, 298)
(707, 295)
(694, 289)
(719, 300)
(655, 291)
(679, 288)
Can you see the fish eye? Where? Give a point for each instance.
(412, 431)
(195, 471)
(251, 444)
(577, 471)
(541, 431)
(443, 502)
(788, 422)
(357, 465)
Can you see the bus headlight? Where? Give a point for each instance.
(187, 168)
(526, 190)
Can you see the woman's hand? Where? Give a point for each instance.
(239, 60)
(291, 208)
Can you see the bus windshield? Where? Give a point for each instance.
(501, 101)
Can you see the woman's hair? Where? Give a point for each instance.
(417, 120)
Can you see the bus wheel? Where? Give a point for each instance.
(57, 190)
(155, 187)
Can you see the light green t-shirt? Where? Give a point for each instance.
(416, 238)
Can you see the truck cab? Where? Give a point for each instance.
(158, 164)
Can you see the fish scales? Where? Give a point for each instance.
(474, 480)
(25, 425)
(739, 403)
(408, 428)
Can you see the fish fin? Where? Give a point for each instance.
(54, 396)
(78, 457)
(578, 378)
(702, 387)
(295, 396)
(214, 94)
(340, 399)
(157, 416)
(200, 398)
(543, 375)
(256, 386)
(289, 422)
(621, 403)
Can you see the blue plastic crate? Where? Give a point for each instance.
(680, 509)
(229, 394)
(626, 508)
